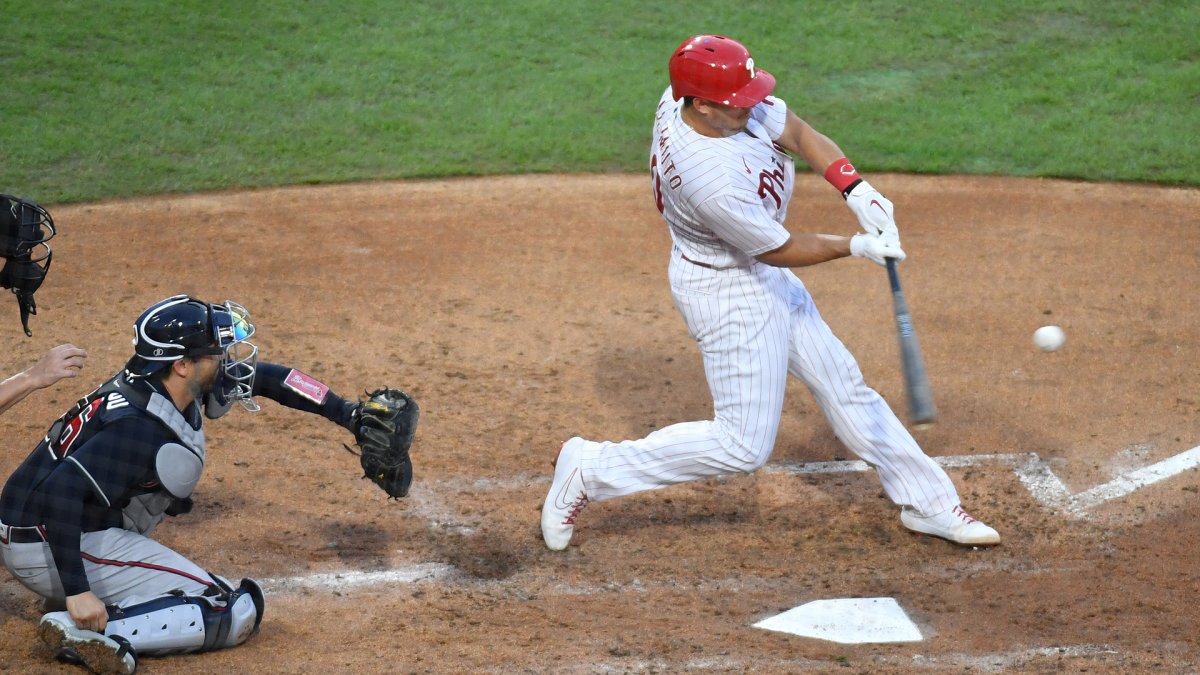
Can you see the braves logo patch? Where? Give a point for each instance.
(306, 385)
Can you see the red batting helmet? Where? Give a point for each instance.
(717, 68)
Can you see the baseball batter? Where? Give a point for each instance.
(722, 172)
(76, 515)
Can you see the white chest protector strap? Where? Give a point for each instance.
(161, 407)
(180, 624)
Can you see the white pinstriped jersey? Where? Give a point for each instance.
(724, 199)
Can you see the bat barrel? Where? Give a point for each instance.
(921, 408)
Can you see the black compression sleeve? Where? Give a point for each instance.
(270, 381)
(62, 514)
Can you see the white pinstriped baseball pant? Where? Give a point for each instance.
(754, 327)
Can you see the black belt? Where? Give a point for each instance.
(22, 535)
(697, 262)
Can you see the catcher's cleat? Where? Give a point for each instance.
(953, 524)
(566, 497)
(104, 654)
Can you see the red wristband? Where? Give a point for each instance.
(841, 174)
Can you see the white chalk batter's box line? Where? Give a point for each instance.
(1036, 475)
(1032, 471)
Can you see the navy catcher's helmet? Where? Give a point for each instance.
(25, 229)
(181, 326)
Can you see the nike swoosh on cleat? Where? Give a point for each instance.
(558, 498)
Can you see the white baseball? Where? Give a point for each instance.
(1049, 338)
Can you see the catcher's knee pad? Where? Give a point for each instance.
(244, 613)
(180, 624)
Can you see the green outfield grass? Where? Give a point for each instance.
(121, 98)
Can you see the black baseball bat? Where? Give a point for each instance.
(921, 409)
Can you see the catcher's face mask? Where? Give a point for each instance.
(25, 229)
(232, 327)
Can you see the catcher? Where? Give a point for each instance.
(77, 513)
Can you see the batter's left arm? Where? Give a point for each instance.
(875, 212)
(815, 148)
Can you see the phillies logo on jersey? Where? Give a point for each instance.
(771, 183)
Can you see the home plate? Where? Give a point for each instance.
(847, 620)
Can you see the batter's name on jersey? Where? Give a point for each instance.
(674, 182)
(668, 165)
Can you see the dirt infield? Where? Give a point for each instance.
(523, 310)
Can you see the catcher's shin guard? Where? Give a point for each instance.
(180, 624)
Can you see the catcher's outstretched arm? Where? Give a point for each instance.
(295, 389)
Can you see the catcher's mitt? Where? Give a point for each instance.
(383, 427)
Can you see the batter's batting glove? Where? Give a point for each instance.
(874, 212)
(875, 248)
(383, 426)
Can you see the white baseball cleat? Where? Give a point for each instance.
(566, 497)
(953, 524)
(104, 654)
